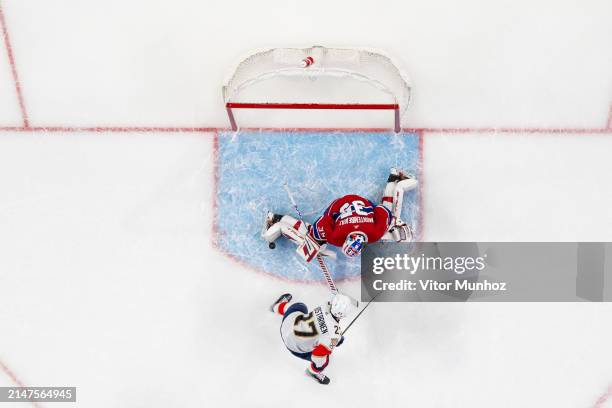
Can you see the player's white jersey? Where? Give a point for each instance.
(301, 332)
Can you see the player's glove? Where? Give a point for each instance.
(401, 232)
(340, 342)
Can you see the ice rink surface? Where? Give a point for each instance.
(254, 169)
(109, 280)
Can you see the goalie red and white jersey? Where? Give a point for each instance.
(315, 331)
(349, 214)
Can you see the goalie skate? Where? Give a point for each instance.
(269, 220)
(396, 175)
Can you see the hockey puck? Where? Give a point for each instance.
(271, 245)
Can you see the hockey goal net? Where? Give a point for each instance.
(317, 78)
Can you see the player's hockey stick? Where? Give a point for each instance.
(320, 261)
(359, 314)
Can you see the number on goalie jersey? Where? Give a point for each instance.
(349, 214)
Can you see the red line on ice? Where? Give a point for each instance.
(528, 130)
(108, 129)
(11, 59)
(421, 191)
(171, 129)
(339, 106)
(11, 375)
(604, 397)
(215, 188)
(186, 129)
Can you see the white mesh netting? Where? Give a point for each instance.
(316, 83)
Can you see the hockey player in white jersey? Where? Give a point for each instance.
(312, 335)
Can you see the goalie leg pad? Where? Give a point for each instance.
(289, 227)
(398, 195)
(296, 231)
(272, 233)
(308, 249)
(406, 185)
(300, 226)
(292, 234)
(387, 199)
(397, 184)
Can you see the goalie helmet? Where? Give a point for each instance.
(342, 306)
(354, 243)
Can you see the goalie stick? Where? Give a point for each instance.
(293, 203)
(320, 261)
(326, 274)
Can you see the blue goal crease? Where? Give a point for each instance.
(318, 167)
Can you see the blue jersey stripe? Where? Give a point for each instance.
(315, 229)
(389, 213)
(368, 210)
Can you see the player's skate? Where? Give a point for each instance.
(270, 219)
(283, 298)
(318, 377)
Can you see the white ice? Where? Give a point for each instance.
(108, 280)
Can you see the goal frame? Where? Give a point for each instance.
(400, 92)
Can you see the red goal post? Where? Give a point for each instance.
(386, 86)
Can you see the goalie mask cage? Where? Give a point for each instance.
(317, 78)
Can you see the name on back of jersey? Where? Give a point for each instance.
(356, 220)
(321, 320)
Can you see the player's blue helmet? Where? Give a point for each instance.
(354, 243)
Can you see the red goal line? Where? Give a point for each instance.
(331, 106)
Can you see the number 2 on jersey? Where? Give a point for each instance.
(304, 325)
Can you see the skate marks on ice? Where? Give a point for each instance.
(319, 167)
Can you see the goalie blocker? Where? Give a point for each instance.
(350, 222)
